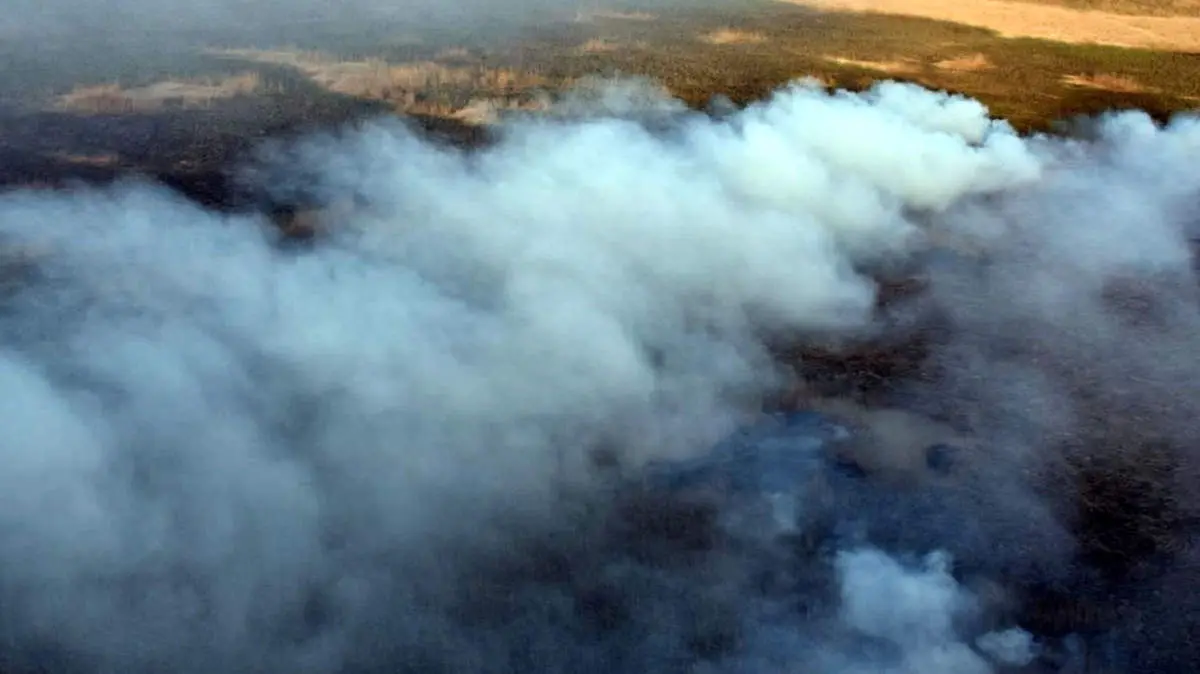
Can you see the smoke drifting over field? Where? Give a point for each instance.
(379, 453)
(127, 23)
(170, 20)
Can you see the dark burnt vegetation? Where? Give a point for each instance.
(1119, 473)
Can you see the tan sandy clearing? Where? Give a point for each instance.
(901, 67)
(112, 98)
(1017, 19)
(1136, 7)
(453, 54)
(406, 85)
(965, 64)
(484, 111)
(609, 15)
(598, 46)
(1107, 82)
(732, 36)
(87, 159)
(420, 87)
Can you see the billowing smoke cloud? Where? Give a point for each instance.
(1071, 344)
(386, 452)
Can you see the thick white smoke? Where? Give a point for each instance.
(221, 455)
(916, 610)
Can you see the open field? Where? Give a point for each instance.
(171, 93)
(1138, 7)
(195, 108)
(1044, 20)
(744, 55)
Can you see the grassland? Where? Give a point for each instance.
(741, 52)
(1045, 20)
(1031, 82)
(745, 54)
(1134, 7)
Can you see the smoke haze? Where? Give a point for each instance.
(379, 453)
(38, 24)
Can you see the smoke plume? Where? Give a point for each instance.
(382, 452)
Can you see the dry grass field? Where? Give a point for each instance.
(113, 98)
(1017, 69)
(1031, 61)
(187, 114)
(1080, 22)
(1135, 7)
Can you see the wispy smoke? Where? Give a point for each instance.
(164, 20)
(381, 453)
(130, 24)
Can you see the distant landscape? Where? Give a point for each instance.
(194, 107)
